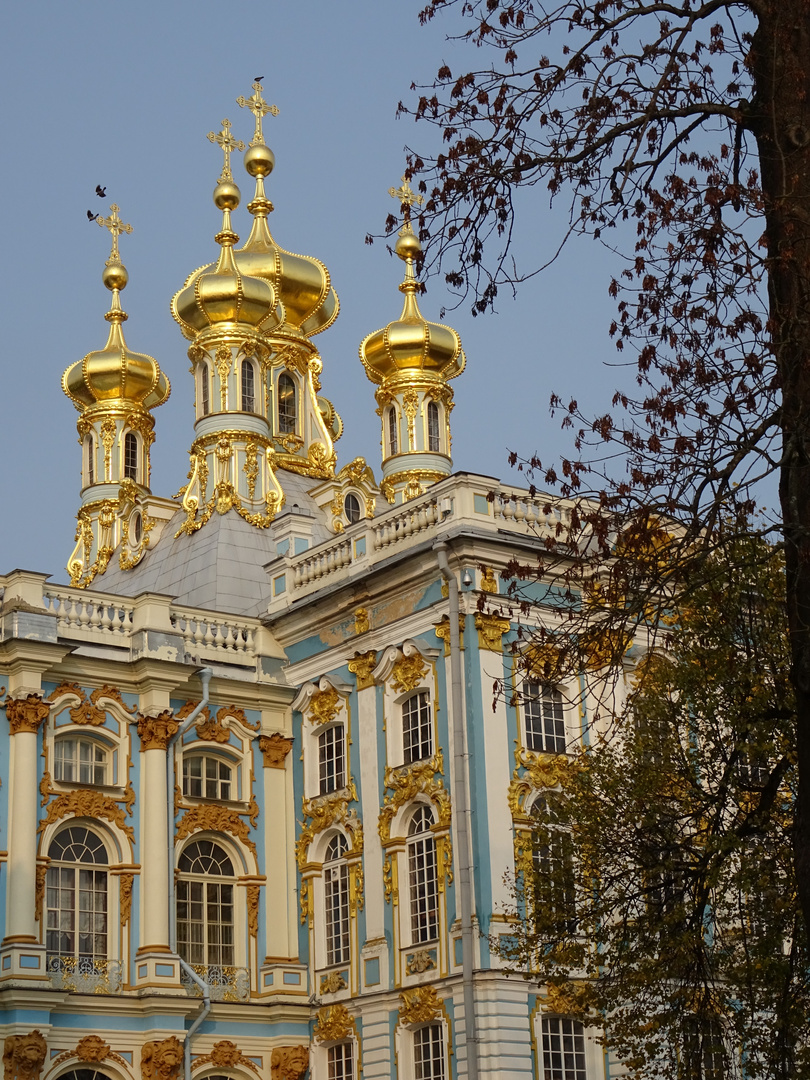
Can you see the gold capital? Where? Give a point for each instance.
(155, 731)
(259, 107)
(274, 750)
(26, 714)
(228, 144)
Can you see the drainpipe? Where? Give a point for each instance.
(462, 806)
(171, 754)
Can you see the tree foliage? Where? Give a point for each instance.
(684, 922)
(679, 133)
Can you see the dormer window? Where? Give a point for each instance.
(287, 411)
(433, 427)
(248, 387)
(79, 761)
(130, 456)
(351, 508)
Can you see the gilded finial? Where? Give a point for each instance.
(259, 107)
(116, 227)
(407, 246)
(407, 197)
(227, 144)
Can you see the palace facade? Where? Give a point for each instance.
(259, 812)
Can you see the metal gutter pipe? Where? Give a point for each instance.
(205, 675)
(462, 806)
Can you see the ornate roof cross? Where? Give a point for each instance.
(406, 196)
(259, 107)
(228, 144)
(116, 227)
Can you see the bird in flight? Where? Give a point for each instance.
(258, 78)
(91, 216)
(100, 191)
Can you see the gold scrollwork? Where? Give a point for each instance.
(253, 910)
(216, 818)
(419, 1005)
(288, 1062)
(327, 810)
(274, 749)
(406, 783)
(154, 732)
(443, 632)
(334, 1022)
(305, 902)
(86, 803)
(26, 714)
(125, 883)
(361, 623)
(491, 629)
(39, 891)
(407, 672)
(332, 983)
(418, 962)
(323, 706)
(362, 666)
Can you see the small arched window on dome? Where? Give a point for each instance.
(248, 387)
(434, 442)
(130, 456)
(205, 391)
(287, 410)
(393, 441)
(351, 508)
(90, 447)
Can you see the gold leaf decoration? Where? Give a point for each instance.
(324, 705)
(334, 1022)
(332, 983)
(408, 672)
(406, 783)
(362, 666)
(419, 1005)
(216, 818)
(274, 749)
(86, 803)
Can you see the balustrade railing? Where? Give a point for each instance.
(77, 610)
(322, 563)
(230, 639)
(224, 983)
(85, 975)
(415, 517)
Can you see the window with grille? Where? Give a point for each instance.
(79, 761)
(248, 387)
(331, 759)
(433, 427)
(553, 887)
(423, 878)
(207, 777)
(563, 1049)
(287, 412)
(417, 728)
(336, 899)
(393, 441)
(428, 1053)
(205, 917)
(205, 392)
(702, 1053)
(340, 1062)
(545, 722)
(76, 895)
(130, 456)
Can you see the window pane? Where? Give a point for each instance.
(428, 1053)
(433, 427)
(563, 1049)
(331, 759)
(393, 441)
(131, 456)
(339, 1062)
(336, 898)
(248, 393)
(424, 892)
(286, 405)
(417, 728)
(545, 722)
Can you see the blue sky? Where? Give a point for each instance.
(123, 94)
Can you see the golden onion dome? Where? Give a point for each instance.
(115, 373)
(225, 296)
(411, 343)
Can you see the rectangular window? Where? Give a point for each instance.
(340, 1062)
(206, 778)
(79, 761)
(336, 895)
(703, 1055)
(417, 728)
(76, 917)
(545, 722)
(205, 922)
(424, 882)
(434, 442)
(331, 760)
(428, 1053)
(563, 1049)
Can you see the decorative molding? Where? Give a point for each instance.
(162, 1060)
(362, 667)
(361, 623)
(88, 710)
(289, 1062)
(334, 1022)
(420, 1005)
(155, 732)
(24, 1056)
(225, 1055)
(418, 962)
(274, 749)
(25, 715)
(406, 783)
(407, 673)
(320, 701)
(324, 705)
(488, 582)
(491, 629)
(125, 882)
(253, 910)
(92, 1048)
(332, 983)
(217, 819)
(404, 667)
(305, 902)
(326, 810)
(39, 890)
(86, 802)
(443, 632)
(541, 771)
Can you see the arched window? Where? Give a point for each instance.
(428, 1053)
(553, 887)
(287, 411)
(131, 456)
(434, 442)
(393, 441)
(205, 392)
(544, 718)
(76, 887)
(351, 508)
(78, 760)
(91, 459)
(563, 1049)
(340, 1062)
(89, 1074)
(207, 777)
(336, 901)
(417, 728)
(331, 759)
(205, 925)
(423, 878)
(248, 387)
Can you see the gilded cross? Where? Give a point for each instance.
(116, 227)
(259, 107)
(406, 196)
(228, 144)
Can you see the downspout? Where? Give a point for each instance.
(171, 754)
(462, 806)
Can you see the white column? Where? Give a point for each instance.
(154, 733)
(281, 915)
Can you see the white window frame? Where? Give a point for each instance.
(336, 906)
(433, 408)
(544, 718)
(196, 750)
(423, 908)
(57, 882)
(338, 759)
(281, 430)
(248, 365)
(210, 880)
(81, 738)
(424, 706)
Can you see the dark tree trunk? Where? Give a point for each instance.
(780, 120)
